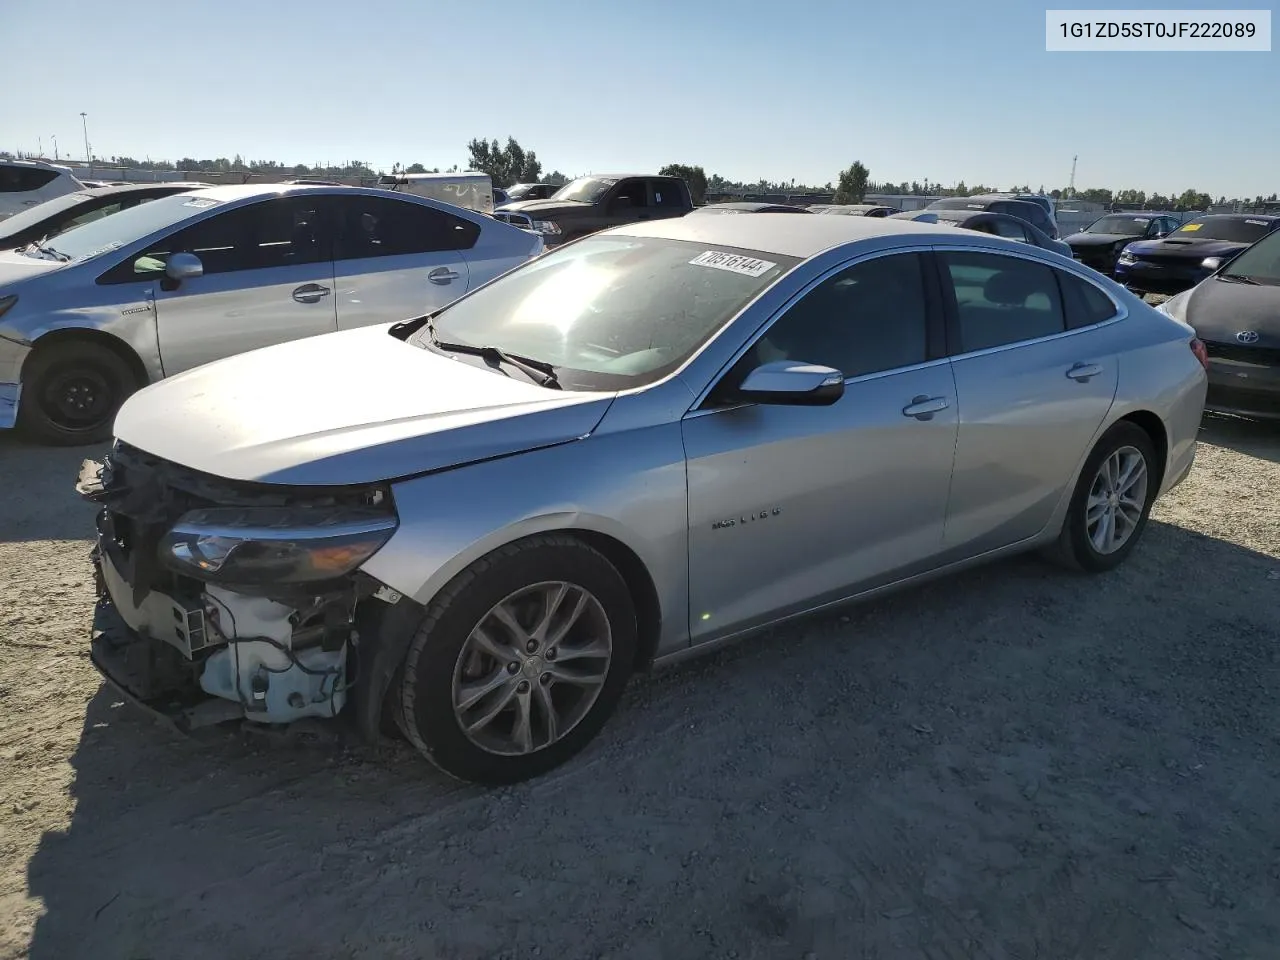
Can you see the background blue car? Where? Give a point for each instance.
(1176, 262)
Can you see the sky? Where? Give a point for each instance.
(946, 91)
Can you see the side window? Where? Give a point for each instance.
(381, 227)
(1002, 299)
(287, 233)
(868, 318)
(24, 179)
(1007, 228)
(1085, 304)
(222, 242)
(667, 193)
(636, 191)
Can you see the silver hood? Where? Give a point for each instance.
(347, 408)
(15, 267)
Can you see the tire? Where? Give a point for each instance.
(72, 391)
(1076, 547)
(523, 580)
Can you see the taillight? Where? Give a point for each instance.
(1198, 348)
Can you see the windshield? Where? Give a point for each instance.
(1121, 226)
(39, 213)
(584, 189)
(611, 312)
(1230, 229)
(1260, 263)
(101, 236)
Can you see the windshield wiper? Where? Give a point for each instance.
(539, 371)
(1238, 278)
(49, 251)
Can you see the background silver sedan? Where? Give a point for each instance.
(641, 445)
(94, 313)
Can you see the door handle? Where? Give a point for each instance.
(924, 407)
(1084, 371)
(310, 293)
(442, 275)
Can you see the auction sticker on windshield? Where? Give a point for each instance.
(1190, 227)
(733, 262)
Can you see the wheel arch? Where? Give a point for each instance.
(1151, 424)
(108, 341)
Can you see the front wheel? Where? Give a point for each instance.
(72, 391)
(520, 661)
(1112, 501)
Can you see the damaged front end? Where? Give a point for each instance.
(220, 599)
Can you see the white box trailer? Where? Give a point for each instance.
(472, 191)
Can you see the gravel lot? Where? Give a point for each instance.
(1014, 763)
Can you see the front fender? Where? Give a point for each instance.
(130, 325)
(628, 486)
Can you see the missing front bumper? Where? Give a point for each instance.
(150, 674)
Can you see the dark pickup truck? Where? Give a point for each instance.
(595, 203)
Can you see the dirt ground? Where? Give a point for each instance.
(1014, 763)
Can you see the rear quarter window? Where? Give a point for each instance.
(24, 179)
(1085, 304)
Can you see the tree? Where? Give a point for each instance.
(555, 178)
(415, 168)
(1194, 200)
(852, 185)
(504, 165)
(695, 177)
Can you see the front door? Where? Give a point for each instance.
(793, 506)
(396, 259)
(1033, 393)
(268, 279)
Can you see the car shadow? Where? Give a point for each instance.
(971, 749)
(38, 483)
(1256, 438)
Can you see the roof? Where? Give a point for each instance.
(751, 206)
(178, 186)
(781, 233)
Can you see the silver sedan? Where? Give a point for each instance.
(644, 444)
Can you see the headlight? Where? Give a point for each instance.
(266, 545)
(1127, 257)
(547, 226)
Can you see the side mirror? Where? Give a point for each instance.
(183, 266)
(793, 383)
(1210, 263)
(1159, 234)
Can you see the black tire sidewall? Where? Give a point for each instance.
(427, 693)
(1076, 532)
(36, 420)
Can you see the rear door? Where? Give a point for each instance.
(1033, 390)
(395, 259)
(669, 198)
(268, 278)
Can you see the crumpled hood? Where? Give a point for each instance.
(1190, 249)
(535, 207)
(14, 267)
(348, 408)
(1219, 309)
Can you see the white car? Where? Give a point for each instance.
(97, 312)
(28, 183)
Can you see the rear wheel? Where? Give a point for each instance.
(1112, 501)
(72, 391)
(520, 661)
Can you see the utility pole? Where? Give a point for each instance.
(84, 122)
(1071, 186)
(55, 148)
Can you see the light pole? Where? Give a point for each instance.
(55, 148)
(84, 122)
